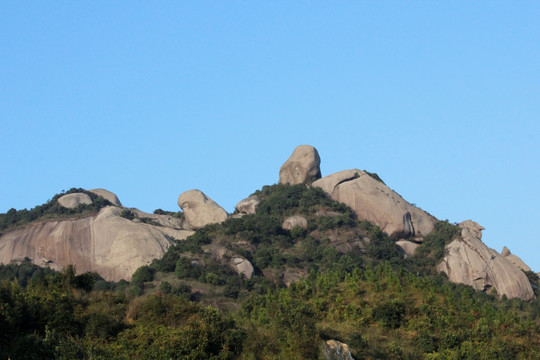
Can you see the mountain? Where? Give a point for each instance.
(115, 241)
(338, 266)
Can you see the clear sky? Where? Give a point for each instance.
(150, 99)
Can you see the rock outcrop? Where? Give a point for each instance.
(408, 247)
(249, 205)
(302, 167)
(469, 261)
(375, 202)
(200, 210)
(73, 200)
(514, 259)
(293, 221)
(107, 195)
(336, 350)
(242, 266)
(106, 243)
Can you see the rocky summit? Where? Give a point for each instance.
(469, 261)
(338, 267)
(96, 233)
(200, 210)
(375, 202)
(302, 167)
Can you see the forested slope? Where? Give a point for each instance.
(334, 279)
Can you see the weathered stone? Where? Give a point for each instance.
(107, 195)
(73, 200)
(106, 243)
(242, 266)
(335, 350)
(408, 247)
(302, 167)
(249, 205)
(514, 259)
(375, 202)
(200, 210)
(292, 221)
(469, 261)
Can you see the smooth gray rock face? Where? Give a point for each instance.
(73, 200)
(469, 261)
(249, 205)
(292, 221)
(375, 202)
(302, 167)
(200, 210)
(107, 195)
(105, 243)
(514, 259)
(335, 350)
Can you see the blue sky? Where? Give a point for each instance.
(150, 99)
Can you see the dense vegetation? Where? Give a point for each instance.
(191, 304)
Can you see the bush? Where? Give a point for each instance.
(142, 275)
(390, 314)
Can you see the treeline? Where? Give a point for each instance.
(381, 312)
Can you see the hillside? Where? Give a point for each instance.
(292, 274)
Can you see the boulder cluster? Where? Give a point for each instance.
(115, 245)
(469, 261)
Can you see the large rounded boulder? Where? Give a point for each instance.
(302, 167)
(107, 195)
(375, 202)
(200, 210)
(106, 243)
(73, 200)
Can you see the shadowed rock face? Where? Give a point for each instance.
(106, 243)
(375, 202)
(73, 200)
(200, 210)
(302, 167)
(469, 261)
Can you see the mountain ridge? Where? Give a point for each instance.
(365, 193)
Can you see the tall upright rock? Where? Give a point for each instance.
(469, 261)
(302, 167)
(200, 210)
(375, 202)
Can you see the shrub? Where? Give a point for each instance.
(390, 314)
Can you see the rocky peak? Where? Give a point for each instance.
(302, 167)
(200, 210)
(469, 261)
(375, 202)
